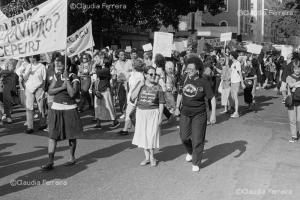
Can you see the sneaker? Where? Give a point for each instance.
(46, 129)
(3, 117)
(36, 116)
(235, 115)
(293, 139)
(224, 111)
(195, 168)
(123, 132)
(189, 157)
(122, 116)
(9, 120)
(42, 127)
(29, 131)
(115, 125)
(25, 124)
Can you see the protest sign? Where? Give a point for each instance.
(128, 49)
(286, 50)
(200, 47)
(80, 40)
(2, 16)
(44, 32)
(225, 36)
(163, 44)
(215, 42)
(147, 47)
(179, 46)
(254, 48)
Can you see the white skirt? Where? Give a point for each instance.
(104, 109)
(147, 129)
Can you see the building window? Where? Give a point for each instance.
(225, 8)
(223, 23)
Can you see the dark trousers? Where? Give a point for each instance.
(85, 98)
(122, 96)
(192, 134)
(166, 112)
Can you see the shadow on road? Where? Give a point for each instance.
(62, 172)
(261, 102)
(218, 152)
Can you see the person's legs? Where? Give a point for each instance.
(198, 137)
(234, 94)
(128, 123)
(293, 121)
(29, 109)
(39, 96)
(122, 97)
(72, 145)
(186, 132)
(152, 159)
(147, 158)
(51, 151)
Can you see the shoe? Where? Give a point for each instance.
(36, 116)
(97, 126)
(8, 120)
(46, 129)
(224, 111)
(195, 168)
(29, 131)
(145, 162)
(70, 163)
(123, 132)
(235, 115)
(3, 117)
(188, 158)
(122, 116)
(47, 167)
(293, 139)
(42, 127)
(115, 125)
(153, 162)
(25, 124)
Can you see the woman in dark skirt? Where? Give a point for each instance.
(64, 120)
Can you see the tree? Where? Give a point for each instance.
(288, 22)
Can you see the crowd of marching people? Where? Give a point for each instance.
(143, 89)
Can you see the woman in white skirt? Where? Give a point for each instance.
(150, 105)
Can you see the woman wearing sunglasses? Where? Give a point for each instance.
(150, 105)
(193, 119)
(85, 72)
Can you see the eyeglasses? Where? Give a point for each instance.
(151, 74)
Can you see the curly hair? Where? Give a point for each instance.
(160, 61)
(197, 62)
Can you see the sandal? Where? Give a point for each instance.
(47, 167)
(145, 162)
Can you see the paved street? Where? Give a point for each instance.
(245, 158)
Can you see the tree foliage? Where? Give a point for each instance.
(288, 23)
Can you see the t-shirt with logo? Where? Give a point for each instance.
(194, 90)
(150, 97)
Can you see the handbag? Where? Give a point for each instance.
(288, 102)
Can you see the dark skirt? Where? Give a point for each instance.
(64, 124)
(248, 98)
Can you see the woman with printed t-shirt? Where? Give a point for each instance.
(193, 119)
(64, 120)
(150, 105)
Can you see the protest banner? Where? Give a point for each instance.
(147, 47)
(286, 50)
(44, 32)
(2, 16)
(254, 48)
(81, 40)
(163, 44)
(200, 47)
(225, 37)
